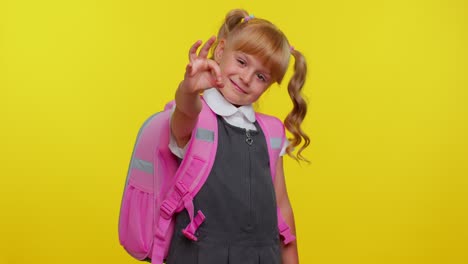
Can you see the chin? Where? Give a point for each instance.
(236, 103)
(231, 97)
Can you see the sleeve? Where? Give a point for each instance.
(176, 150)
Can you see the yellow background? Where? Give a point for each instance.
(387, 119)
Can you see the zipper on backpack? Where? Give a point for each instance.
(249, 138)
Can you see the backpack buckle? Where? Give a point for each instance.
(284, 229)
(285, 233)
(167, 209)
(181, 189)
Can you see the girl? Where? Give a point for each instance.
(239, 198)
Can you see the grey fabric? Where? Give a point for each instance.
(204, 134)
(238, 200)
(275, 143)
(143, 165)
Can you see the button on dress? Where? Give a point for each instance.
(238, 200)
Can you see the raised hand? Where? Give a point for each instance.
(201, 73)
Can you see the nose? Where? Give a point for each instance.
(246, 76)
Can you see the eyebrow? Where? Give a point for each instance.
(264, 70)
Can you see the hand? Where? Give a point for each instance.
(201, 73)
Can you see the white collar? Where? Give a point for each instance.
(222, 107)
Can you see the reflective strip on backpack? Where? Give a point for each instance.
(142, 165)
(275, 142)
(146, 123)
(205, 135)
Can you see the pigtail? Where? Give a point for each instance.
(233, 18)
(295, 118)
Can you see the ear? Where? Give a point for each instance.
(218, 53)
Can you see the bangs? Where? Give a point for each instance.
(266, 42)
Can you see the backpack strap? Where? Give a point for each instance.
(274, 132)
(189, 178)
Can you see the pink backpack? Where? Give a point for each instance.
(157, 187)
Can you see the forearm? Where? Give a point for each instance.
(185, 115)
(188, 102)
(289, 252)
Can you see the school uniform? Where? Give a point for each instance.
(238, 197)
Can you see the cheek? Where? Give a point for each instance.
(258, 93)
(224, 72)
(262, 88)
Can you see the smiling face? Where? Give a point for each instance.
(244, 76)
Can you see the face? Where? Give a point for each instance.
(244, 76)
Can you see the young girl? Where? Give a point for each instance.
(239, 198)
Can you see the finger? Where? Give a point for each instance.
(216, 72)
(189, 70)
(206, 47)
(197, 66)
(193, 50)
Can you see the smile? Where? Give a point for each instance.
(237, 87)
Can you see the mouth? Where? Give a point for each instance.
(237, 87)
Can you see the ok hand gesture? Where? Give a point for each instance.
(201, 73)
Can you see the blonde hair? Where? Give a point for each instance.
(261, 38)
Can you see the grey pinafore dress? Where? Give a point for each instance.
(238, 200)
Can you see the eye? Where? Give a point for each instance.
(261, 77)
(241, 62)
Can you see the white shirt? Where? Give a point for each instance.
(243, 117)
